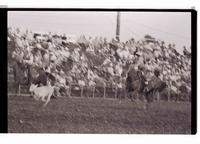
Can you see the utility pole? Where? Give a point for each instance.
(118, 27)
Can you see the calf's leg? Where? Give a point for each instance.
(49, 97)
(36, 97)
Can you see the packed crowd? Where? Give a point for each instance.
(95, 61)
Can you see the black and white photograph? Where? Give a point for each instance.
(99, 72)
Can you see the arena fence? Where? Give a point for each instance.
(75, 90)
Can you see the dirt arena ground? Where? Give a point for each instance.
(97, 115)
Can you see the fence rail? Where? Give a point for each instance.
(75, 90)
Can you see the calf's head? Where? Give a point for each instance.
(33, 87)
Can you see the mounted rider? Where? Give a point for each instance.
(132, 82)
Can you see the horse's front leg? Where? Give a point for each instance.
(133, 96)
(129, 94)
(142, 96)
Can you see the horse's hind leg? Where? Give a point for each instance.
(143, 97)
(149, 97)
(131, 95)
(134, 96)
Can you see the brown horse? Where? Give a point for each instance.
(154, 88)
(137, 89)
(134, 84)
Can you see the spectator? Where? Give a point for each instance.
(54, 52)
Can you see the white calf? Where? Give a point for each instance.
(40, 93)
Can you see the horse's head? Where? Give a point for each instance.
(33, 87)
